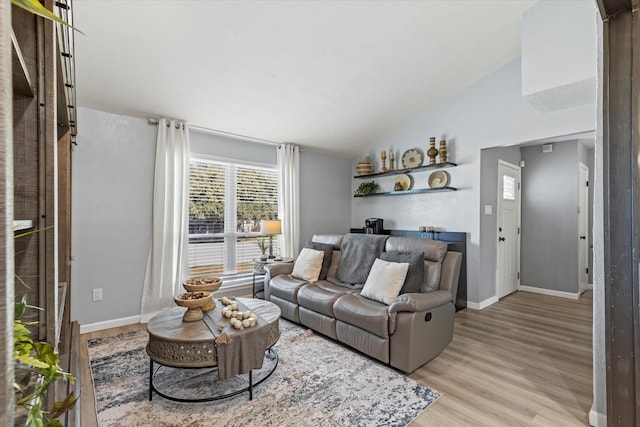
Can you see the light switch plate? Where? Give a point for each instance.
(488, 209)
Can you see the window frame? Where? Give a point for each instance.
(230, 233)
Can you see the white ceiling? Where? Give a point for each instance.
(334, 75)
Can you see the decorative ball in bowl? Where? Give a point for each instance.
(195, 303)
(198, 284)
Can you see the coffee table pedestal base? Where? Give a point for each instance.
(152, 388)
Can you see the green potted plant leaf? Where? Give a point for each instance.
(35, 7)
(367, 188)
(37, 367)
(262, 244)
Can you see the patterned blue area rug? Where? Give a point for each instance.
(316, 383)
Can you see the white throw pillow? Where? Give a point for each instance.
(385, 281)
(308, 265)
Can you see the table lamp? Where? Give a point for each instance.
(270, 227)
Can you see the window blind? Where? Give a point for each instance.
(227, 200)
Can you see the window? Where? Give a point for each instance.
(508, 187)
(226, 203)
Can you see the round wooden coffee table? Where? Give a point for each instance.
(179, 344)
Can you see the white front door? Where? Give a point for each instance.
(583, 227)
(508, 227)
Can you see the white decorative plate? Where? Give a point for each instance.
(403, 181)
(411, 159)
(438, 179)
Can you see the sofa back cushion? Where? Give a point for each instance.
(434, 253)
(332, 239)
(335, 240)
(327, 249)
(358, 253)
(415, 274)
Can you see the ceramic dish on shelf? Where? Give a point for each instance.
(411, 159)
(438, 179)
(403, 182)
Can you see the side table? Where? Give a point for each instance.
(259, 273)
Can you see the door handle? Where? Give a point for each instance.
(500, 239)
(583, 237)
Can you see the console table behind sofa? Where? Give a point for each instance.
(456, 241)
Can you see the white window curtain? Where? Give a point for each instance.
(289, 198)
(167, 264)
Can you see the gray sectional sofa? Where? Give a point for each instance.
(407, 333)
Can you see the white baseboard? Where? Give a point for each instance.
(550, 292)
(482, 304)
(239, 291)
(107, 324)
(590, 287)
(597, 419)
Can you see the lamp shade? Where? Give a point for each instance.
(270, 227)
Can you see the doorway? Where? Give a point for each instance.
(583, 227)
(508, 229)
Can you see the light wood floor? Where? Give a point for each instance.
(524, 361)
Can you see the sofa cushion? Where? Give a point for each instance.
(321, 296)
(434, 250)
(356, 310)
(332, 239)
(385, 281)
(415, 274)
(286, 287)
(308, 265)
(434, 253)
(357, 254)
(327, 249)
(335, 261)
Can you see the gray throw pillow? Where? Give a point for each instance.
(326, 261)
(415, 274)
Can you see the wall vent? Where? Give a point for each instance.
(547, 148)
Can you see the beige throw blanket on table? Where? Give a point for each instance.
(247, 347)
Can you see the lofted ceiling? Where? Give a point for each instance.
(333, 75)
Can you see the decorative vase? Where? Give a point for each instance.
(194, 301)
(383, 157)
(443, 151)
(392, 161)
(364, 167)
(432, 152)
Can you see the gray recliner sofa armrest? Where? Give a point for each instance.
(414, 302)
(273, 270)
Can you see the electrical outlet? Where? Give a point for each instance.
(97, 294)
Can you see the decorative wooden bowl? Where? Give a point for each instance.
(199, 284)
(195, 303)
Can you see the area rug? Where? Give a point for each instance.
(317, 383)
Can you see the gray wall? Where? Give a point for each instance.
(325, 196)
(220, 146)
(112, 197)
(550, 218)
(489, 197)
(112, 186)
(488, 114)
